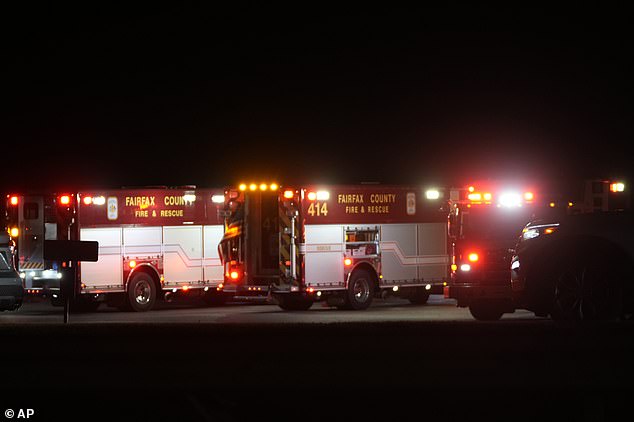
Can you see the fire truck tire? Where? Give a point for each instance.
(142, 292)
(360, 290)
(419, 297)
(483, 310)
(293, 303)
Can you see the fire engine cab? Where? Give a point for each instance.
(485, 220)
(153, 242)
(341, 244)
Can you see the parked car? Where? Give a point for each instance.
(11, 289)
(577, 267)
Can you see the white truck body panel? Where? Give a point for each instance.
(414, 252)
(212, 267)
(183, 254)
(107, 271)
(432, 248)
(324, 252)
(411, 253)
(189, 254)
(398, 252)
(142, 242)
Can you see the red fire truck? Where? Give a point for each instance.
(153, 242)
(341, 244)
(485, 220)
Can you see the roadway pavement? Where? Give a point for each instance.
(245, 362)
(391, 309)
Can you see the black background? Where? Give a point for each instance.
(117, 94)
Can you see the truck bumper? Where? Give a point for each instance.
(465, 294)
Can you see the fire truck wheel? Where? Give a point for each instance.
(483, 310)
(360, 290)
(141, 292)
(293, 303)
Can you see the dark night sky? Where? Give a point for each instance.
(107, 96)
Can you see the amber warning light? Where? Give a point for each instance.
(617, 187)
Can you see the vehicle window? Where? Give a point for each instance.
(31, 211)
(4, 263)
(492, 223)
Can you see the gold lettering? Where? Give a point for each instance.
(379, 209)
(139, 201)
(350, 198)
(383, 198)
(172, 213)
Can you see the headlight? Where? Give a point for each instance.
(529, 233)
(535, 231)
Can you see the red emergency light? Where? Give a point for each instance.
(64, 199)
(234, 271)
(500, 197)
(14, 200)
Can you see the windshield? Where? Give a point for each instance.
(494, 223)
(5, 262)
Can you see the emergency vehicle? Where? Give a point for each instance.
(578, 267)
(31, 219)
(485, 220)
(341, 244)
(11, 289)
(153, 242)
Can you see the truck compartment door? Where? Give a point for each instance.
(212, 267)
(398, 252)
(183, 253)
(323, 259)
(433, 262)
(107, 271)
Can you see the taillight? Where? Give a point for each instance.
(234, 271)
(347, 262)
(473, 257)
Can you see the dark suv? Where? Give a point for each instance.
(579, 267)
(11, 289)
